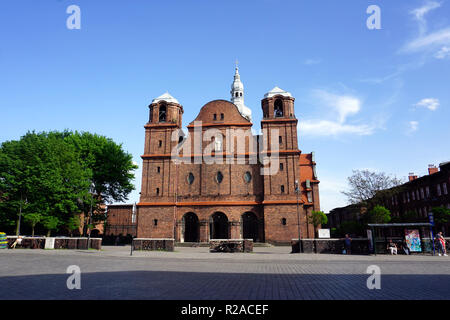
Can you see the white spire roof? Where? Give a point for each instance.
(237, 95)
(165, 97)
(277, 91)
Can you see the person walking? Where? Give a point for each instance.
(348, 244)
(441, 244)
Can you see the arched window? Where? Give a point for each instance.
(155, 222)
(248, 177)
(278, 108)
(237, 94)
(162, 113)
(219, 177)
(241, 94)
(190, 178)
(283, 221)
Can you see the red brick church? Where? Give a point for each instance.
(220, 181)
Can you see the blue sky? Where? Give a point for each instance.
(375, 99)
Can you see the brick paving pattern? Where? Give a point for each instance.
(194, 273)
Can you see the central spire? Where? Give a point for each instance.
(237, 94)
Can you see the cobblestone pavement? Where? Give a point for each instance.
(194, 273)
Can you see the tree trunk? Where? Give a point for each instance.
(49, 233)
(32, 231)
(20, 216)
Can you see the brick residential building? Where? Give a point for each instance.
(409, 202)
(121, 220)
(186, 197)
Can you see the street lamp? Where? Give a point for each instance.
(297, 190)
(91, 192)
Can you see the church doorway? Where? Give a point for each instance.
(191, 227)
(218, 226)
(250, 226)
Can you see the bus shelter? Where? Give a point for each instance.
(418, 236)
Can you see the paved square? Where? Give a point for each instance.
(194, 273)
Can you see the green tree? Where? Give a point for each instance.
(32, 219)
(51, 174)
(50, 223)
(72, 224)
(441, 216)
(378, 214)
(317, 218)
(364, 185)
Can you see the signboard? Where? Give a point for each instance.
(324, 233)
(49, 243)
(431, 218)
(412, 238)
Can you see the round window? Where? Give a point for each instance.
(248, 177)
(190, 178)
(219, 177)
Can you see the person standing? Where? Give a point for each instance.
(441, 244)
(348, 244)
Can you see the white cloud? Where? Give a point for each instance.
(330, 128)
(443, 53)
(342, 106)
(312, 61)
(413, 126)
(429, 103)
(430, 41)
(420, 13)
(437, 40)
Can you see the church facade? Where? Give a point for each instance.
(221, 181)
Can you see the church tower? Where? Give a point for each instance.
(279, 126)
(157, 169)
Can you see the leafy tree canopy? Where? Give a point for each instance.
(51, 174)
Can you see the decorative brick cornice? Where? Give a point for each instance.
(217, 203)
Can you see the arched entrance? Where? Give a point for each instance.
(191, 227)
(250, 226)
(218, 226)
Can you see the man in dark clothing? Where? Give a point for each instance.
(348, 244)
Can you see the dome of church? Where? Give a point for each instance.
(165, 97)
(277, 91)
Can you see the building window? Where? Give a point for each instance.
(407, 196)
(190, 178)
(282, 188)
(422, 194)
(162, 113)
(215, 116)
(438, 187)
(160, 143)
(222, 116)
(219, 177)
(159, 169)
(310, 197)
(218, 143)
(155, 222)
(157, 191)
(280, 139)
(283, 221)
(278, 108)
(281, 166)
(413, 195)
(248, 177)
(444, 187)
